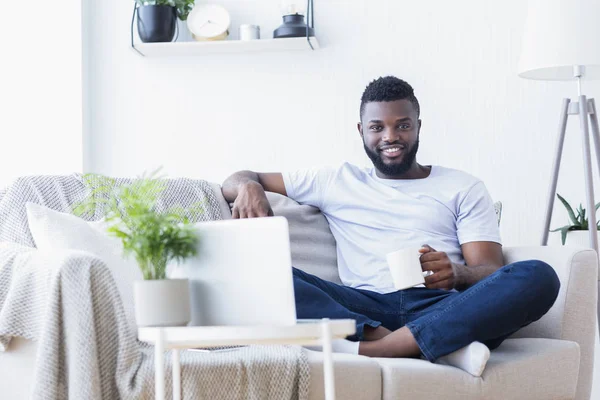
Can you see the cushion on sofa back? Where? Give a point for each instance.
(311, 241)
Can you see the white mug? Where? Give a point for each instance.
(405, 267)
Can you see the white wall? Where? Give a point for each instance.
(210, 116)
(40, 88)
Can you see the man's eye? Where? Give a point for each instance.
(375, 128)
(404, 126)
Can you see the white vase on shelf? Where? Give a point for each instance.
(184, 32)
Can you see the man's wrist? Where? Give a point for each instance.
(459, 276)
(465, 276)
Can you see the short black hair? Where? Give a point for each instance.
(388, 88)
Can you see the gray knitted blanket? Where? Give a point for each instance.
(68, 302)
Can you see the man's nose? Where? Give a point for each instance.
(390, 135)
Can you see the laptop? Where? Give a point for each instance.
(242, 274)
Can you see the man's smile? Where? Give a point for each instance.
(392, 151)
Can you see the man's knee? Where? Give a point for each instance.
(298, 274)
(543, 280)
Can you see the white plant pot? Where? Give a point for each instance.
(163, 302)
(579, 239)
(184, 33)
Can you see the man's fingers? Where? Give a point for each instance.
(438, 277)
(424, 249)
(250, 213)
(244, 213)
(434, 265)
(432, 256)
(446, 284)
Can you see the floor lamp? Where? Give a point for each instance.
(562, 42)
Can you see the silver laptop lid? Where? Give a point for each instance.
(242, 274)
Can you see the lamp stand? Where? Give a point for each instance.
(584, 108)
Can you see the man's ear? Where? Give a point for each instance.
(419, 125)
(359, 126)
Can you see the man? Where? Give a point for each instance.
(471, 296)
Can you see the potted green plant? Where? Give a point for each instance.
(157, 18)
(154, 238)
(577, 229)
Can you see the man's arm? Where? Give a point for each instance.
(482, 259)
(246, 189)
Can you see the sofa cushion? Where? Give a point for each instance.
(312, 244)
(356, 377)
(518, 369)
(223, 205)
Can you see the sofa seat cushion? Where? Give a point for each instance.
(356, 377)
(17, 366)
(529, 369)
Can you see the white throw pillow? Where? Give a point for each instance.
(56, 230)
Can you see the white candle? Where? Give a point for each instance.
(249, 32)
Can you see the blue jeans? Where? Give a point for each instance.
(441, 321)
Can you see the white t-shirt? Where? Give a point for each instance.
(370, 217)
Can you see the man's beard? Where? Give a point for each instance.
(393, 169)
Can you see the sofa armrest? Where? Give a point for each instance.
(573, 315)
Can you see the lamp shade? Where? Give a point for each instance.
(558, 35)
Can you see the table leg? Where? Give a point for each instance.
(159, 365)
(327, 360)
(176, 375)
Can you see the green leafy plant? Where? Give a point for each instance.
(184, 7)
(579, 222)
(154, 238)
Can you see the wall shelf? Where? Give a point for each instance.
(188, 49)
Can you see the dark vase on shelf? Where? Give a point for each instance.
(156, 23)
(293, 26)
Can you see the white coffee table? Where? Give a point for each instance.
(313, 332)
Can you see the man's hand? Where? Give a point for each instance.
(251, 202)
(438, 262)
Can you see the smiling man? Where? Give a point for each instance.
(469, 297)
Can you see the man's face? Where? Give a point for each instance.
(390, 133)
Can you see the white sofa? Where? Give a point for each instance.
(549, 359)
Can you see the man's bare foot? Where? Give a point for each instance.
(400, 343)
(371, 333)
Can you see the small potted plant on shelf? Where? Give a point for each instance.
(157, 18)
(154, 238)
(577, 230)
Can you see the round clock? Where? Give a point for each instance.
(209, 22)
